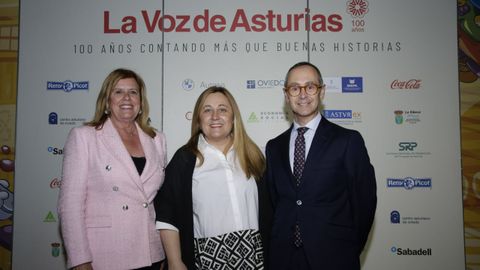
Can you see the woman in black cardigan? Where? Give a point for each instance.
(213, 209)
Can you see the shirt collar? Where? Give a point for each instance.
(311, 125)
(204, 145)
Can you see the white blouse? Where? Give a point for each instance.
(224, 200)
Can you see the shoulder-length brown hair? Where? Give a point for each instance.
(251, 158)
(102, 110)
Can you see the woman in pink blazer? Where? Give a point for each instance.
(113, 167)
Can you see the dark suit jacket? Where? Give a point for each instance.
(173, 204)
(334, 204)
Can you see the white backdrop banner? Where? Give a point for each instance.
(390, 69)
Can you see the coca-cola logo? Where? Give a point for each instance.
(408, 84)
(55, 183)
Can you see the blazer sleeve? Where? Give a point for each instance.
(167, 202)
(72, 197)
(268, 175)
(161, 142)
(363, 186)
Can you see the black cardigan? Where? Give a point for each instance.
(173, 204)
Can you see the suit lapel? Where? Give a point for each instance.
(318, 145)
(115, 146)
(285, 155)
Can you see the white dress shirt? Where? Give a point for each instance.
(308, 135)
(224, 200)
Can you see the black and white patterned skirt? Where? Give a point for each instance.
(236, 250)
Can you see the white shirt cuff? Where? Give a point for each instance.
(165, 226)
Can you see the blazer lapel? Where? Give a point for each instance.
(151, 155)
(112, 140)
(285, 155)
(318, 144)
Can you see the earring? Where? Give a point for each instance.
(139, 112)
(107, 111)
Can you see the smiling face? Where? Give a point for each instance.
(304, 106)
(124, 101)
(216, 120)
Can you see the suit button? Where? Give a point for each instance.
(145, 205)
(125, 207)
(108, 167)
(115, 188)
(299, 202)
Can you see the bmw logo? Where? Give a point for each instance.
(188, 84)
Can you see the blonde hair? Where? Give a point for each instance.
(250, 157)
(102, 111)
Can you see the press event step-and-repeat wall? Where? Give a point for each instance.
(390, 68)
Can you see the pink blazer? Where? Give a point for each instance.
(106, 211)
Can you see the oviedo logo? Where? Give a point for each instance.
(265, 84)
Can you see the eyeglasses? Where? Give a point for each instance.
(294, 90)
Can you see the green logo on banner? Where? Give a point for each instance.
(50, 217)
(252, 118)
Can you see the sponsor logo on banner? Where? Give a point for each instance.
(55, 183)
(251, 84)
(352, 84)
(264, 84)
(411, 84)
(67, 86)
(343, 117)
(357, 10)
(408, 117)
(408, 149)
(50, 217)
(411, 251)
(409, 183)
(205, 85)
(55, 150)
(188, 115)
(396, 218)
(55, 249)
(268, 117)
(188, 84)
(53, 119)
(333, 84)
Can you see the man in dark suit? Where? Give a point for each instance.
(322, 184)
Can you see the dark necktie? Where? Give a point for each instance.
(299, 154)
(298, 164)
